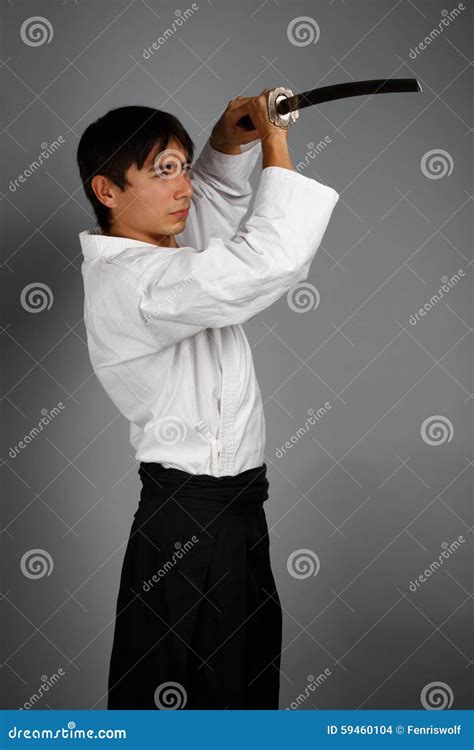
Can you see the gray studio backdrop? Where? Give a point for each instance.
(364, 368)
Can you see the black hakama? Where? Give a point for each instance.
(198, 622)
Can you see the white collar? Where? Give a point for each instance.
(95, 244)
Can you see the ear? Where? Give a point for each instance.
(104, 190)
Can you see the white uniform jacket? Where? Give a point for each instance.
(164, 325)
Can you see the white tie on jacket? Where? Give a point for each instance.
(164, 325)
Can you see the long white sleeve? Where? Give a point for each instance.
(233, 279)
(221, 194)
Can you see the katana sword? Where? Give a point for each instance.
(284, 106)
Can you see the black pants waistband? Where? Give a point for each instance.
(246, 489)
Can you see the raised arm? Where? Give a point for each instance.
(221, 193)
(220, 177)
(179, 292)
(232, 280)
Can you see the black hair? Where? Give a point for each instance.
(121, 138)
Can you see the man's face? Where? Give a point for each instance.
(161, 187)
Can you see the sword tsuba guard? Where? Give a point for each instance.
(274, 96)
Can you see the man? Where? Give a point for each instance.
(198, 620)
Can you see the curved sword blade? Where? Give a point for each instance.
(343, 90)
(339, 91)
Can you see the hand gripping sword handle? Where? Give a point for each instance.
(275, 113)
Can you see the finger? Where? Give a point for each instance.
(238, 101)
(235, 113)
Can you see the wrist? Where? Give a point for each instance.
(224, 147)
(275, 143)
(275, 152)
(276, 136)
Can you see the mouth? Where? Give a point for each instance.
(181, 214)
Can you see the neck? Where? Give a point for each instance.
(160, 240)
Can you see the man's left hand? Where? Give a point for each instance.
(226, 135)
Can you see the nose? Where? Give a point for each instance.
(185, 188)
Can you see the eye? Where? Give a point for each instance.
(171, 169)
(167, 168)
